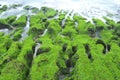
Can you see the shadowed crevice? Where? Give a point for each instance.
(87, 50)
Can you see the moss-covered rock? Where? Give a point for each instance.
(21, 64)
(11, 54)
(4, 24)
(33, 9)
(61, 16)
(117, 30)
(44, 66)
(14, 6)
(11, 19)
(69, 31)
(5, 42)
(100, 25)
(77, 17)
(20, 22)
(106, 35)
(17, 35)
(111, 23)
(81, 28)
(4, 8)
(47, 44)
(36, 30)
(27, 7)
(53, 28)
(49, 12)
(13, 70)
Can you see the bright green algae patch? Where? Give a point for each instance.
(86, 51)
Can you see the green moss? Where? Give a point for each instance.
(117, 30)
(77, 17)
(61, 16)
(27, 7)
(61, 63)
(4, 24)
(38, 18)
(13, 70)
(36, 29)
(35, 10)
(5, 42)
(85, 69)
(46, 44)
(111, 61)
(37, 24)
(17, 35)
(60, 40)
(69, 22)
(11, 19)
(4, 8)
(12, 52)
(1, 34)
(74, 58)
(69, 31)
(81, 28)
(100, 25)
(18, 68)
(106, 35)
(90, 27)
(26, 50)
(49, 12)
(111, 23)
(81, 61)
(53, 28)
(82, 38)
(44, 66)
(14, 6)
(20, 22)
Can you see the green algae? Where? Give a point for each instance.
(36, 29)
(14, 6)
(17, 35)
(11, 19)
(61, 16)
(44, 66)
(100, 25)
(69, 31)
(7, 22)
(13, 70)
(4, 8)
(10, 55)
(33, 9)
(20, 22)
(53, 28)
(49, 12)
(4, 24)
(20, 65)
